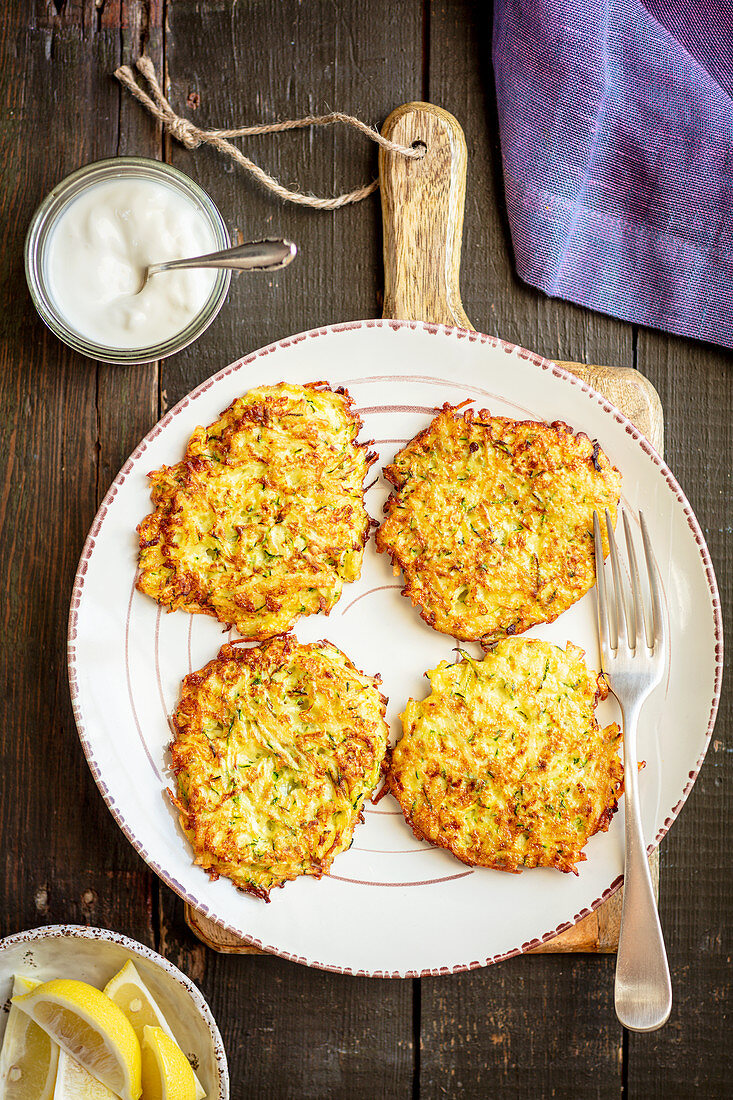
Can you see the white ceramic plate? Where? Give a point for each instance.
(392, 906)
(94, 955)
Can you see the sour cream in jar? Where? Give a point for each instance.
(88, 246)
(99, 248)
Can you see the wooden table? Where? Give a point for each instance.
(531, 1027)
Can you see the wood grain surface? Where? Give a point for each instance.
(422, 216)
(530, 1027)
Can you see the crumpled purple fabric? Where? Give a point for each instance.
(616, 120)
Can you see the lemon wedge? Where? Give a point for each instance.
(91, 1028)
(129, 992)
(73, 1082)
(23, 984)
(28, 1058)
(167, 1074)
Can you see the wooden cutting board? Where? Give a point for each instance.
(422, 211)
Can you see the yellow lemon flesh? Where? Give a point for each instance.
(73, 1082)
(29, 1056)
(129, 992)
(167, 1074)
(91, 1028)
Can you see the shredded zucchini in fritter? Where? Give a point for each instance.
(491, 521)
(276, 749)
(504, 763)
(263, 521)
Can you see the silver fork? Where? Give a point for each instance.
(633, 658)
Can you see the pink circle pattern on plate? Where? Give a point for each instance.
(459, 334)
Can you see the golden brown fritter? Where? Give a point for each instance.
(263, 521)
(491, 522)
(276, 749)
(504, 763)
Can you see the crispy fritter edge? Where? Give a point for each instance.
(236, 651)
(598, 458)
(202, 608)
(604, 820)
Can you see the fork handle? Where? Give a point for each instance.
(643, 990)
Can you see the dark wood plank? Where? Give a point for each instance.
(274, 59)
(295, 1032)
(64, 858)
(128, 398)
(529, 1027)
(312, 1034)
(476, 1028)
(687, 1058)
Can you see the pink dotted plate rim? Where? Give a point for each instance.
(459, 334)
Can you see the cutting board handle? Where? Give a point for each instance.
(422, 212)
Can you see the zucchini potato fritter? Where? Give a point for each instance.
(276, 749)
(504, 763)
(263, 521)
(491, 521)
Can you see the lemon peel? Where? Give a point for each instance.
(166, 1072)
(29, 1056)
(128, 990)
(90, 1027)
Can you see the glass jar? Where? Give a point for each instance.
(41, 228)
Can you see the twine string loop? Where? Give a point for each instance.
(190, 135)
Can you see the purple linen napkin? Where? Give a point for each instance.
(616, 121)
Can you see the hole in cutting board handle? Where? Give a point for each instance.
(422, 216)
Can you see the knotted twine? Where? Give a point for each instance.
(183, 130)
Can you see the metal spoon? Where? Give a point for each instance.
(253, 256)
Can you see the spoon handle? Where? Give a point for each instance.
(253, 256)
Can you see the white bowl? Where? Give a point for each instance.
(94, 955)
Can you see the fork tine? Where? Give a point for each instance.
(603, 621)
(637, 628)
(658, 627)
(620, 600)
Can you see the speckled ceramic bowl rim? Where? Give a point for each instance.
(80, 931)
